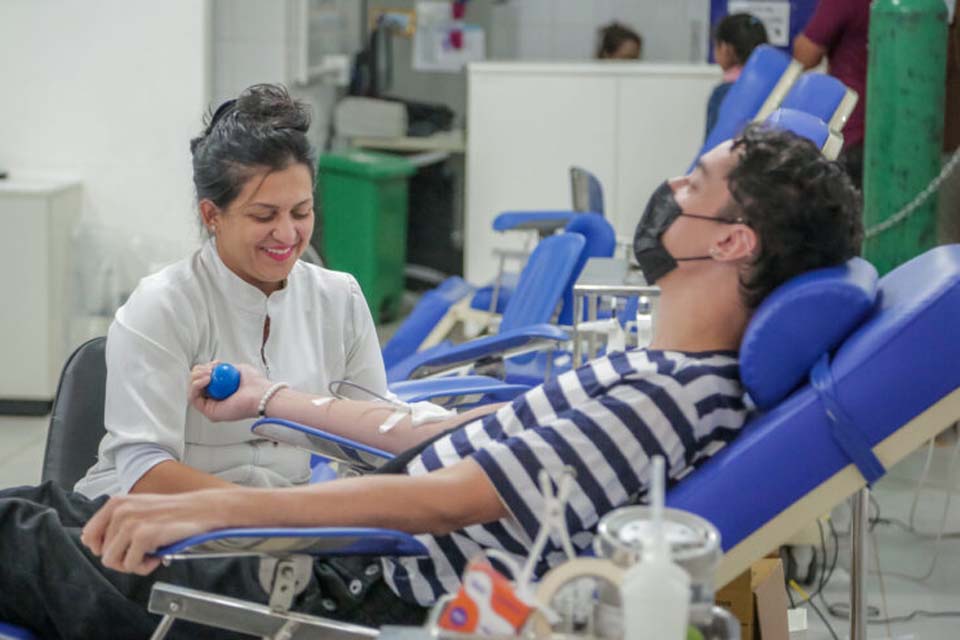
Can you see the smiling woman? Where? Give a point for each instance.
(244, 297)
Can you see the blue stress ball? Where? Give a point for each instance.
(224, 381)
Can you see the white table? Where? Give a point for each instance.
(606, 277)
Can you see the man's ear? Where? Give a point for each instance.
(738, 242)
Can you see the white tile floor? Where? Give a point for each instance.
(22, 442)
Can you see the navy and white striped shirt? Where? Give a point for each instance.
(606, 420)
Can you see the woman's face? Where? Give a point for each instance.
(263, 232)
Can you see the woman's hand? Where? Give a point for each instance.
(239, 406)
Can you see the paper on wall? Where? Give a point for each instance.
(774, 15)
(432, 50)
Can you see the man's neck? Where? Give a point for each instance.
(697, 319)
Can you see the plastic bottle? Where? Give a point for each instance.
(655, 593)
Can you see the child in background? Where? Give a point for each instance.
(735, 38)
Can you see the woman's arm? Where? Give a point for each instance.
(353, 419)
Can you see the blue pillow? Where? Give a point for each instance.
(800, 321)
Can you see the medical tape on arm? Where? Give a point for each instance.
(420, 412)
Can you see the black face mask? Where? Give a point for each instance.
(661, 211)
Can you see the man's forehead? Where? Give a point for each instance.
(718, 162)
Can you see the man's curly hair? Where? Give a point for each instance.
(803, 208)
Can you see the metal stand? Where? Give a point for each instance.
(858, 564)
(283, 579)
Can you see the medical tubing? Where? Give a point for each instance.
(951, 480)
(336, 393)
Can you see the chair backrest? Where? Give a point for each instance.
(810, 127)
(895, 374)
(762, 84)
(601, 242)
(76, 422)
(822, 96)
(586, 191)
(799, 322)
(543, 281)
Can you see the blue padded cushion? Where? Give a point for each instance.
(800, 321)
(803, 124)
(817, 94)
(896, 365)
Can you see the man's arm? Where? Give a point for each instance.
(807, 52)
(128, 528)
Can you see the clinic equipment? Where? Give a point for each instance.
(655, 592)
(693, 542)
(224, 381)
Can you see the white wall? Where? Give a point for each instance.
(672, 30)
(109, 91)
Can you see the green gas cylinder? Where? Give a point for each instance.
(904, 126)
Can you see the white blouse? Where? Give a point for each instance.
(195, 311)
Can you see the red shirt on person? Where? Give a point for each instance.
(841, 27)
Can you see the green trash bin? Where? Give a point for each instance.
(363, 197)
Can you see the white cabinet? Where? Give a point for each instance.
(37, 216)
(633, 125)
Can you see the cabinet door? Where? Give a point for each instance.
(24, 298)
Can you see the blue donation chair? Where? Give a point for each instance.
(822, 96)
(881, 360)
(762, 85)
(524, 326)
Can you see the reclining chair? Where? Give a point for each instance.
(524, 326)
(881, 360)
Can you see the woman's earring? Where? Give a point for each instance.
(213, 228)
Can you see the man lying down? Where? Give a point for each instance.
(755, 212)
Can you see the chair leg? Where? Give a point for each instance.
(858, 564)
(163, 628)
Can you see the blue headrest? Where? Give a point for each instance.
(816, 93)
(803, 124)
(800, 321)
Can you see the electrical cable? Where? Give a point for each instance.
(807, 599)
(842, 609)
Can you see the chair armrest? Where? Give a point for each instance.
(543, 222)
(274, 541)
(457, 387)
(504, 344)
(360, 457)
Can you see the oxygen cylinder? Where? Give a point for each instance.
(906, 76)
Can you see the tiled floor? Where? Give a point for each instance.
(22, 442)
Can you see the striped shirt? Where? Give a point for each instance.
(605, 420)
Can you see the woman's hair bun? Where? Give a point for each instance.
(271, 105)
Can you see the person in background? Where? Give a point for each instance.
(838, 31)
(735, 38)
(619, 42)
